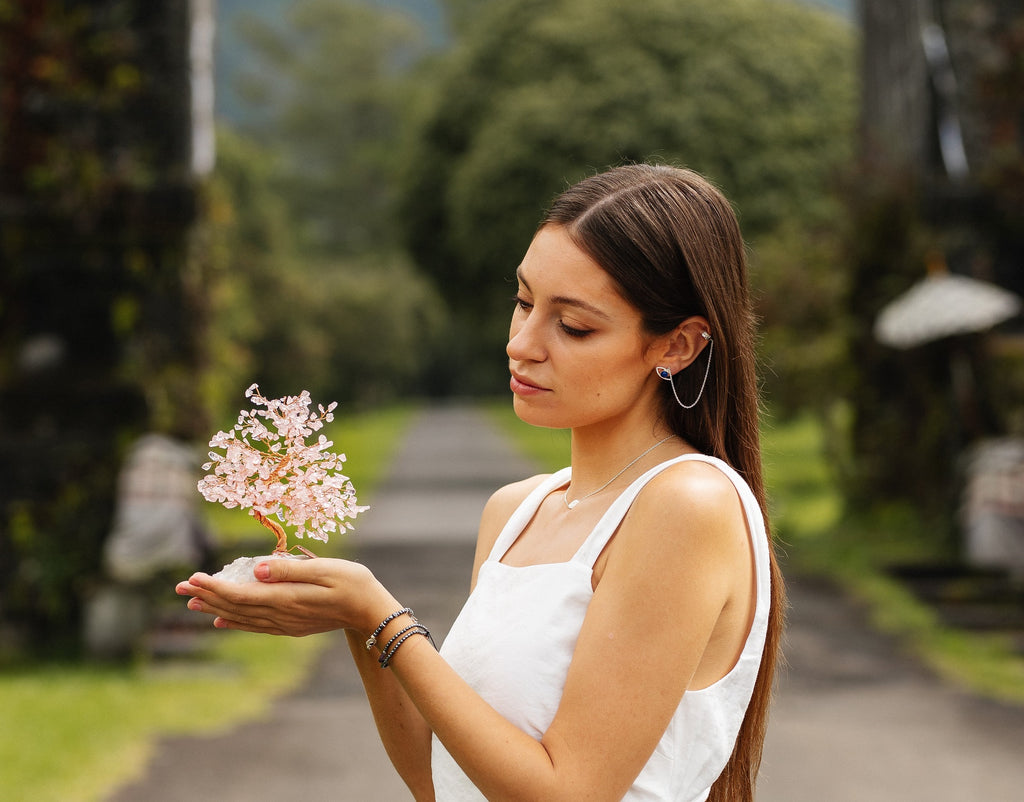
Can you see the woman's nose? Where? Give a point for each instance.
(524, 343)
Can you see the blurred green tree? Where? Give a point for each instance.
(314, 290)
(458, 13)
(329, 87)
(758, 96)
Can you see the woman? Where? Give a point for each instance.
(620, 638)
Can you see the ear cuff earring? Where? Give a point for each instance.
(666, 374)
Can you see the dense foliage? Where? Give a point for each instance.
(350, 327)
(758, 96)
(357, 235)
(313, 290)
(328, 91)
(136, 298)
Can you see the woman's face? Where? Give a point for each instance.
(577, 349)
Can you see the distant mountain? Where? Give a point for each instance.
(230, 49)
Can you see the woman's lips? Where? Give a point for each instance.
(521, 386)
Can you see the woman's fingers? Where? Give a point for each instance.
(282, 608)
(317, 571)
(325, 572)
(224, 623)
(236, 602)
(294, 597)
(249, 618)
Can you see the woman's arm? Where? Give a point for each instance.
(403, 731)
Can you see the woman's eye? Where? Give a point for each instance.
(570, 331)
(574, 332)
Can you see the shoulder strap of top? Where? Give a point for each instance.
(609, 523)
(525, 511)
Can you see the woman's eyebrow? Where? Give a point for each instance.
(565, 300)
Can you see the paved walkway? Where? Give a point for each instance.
(854, 720)
(857, 720)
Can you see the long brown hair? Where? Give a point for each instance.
(672, 242)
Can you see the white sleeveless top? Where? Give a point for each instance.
(515, 637)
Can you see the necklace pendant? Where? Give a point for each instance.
(572, 504)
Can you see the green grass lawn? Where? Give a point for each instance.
(71, 733)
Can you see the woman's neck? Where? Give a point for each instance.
(600, 453)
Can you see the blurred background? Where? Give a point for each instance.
(333, 195)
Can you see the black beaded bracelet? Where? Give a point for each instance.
(399, 634)
(373, 638)
(385, 657)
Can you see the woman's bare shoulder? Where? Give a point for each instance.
(696, 484)
(691, 504)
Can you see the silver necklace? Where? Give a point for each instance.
(572, 504)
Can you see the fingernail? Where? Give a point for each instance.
(262, 571)
(195, 604)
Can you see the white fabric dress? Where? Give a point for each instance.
(515, 637)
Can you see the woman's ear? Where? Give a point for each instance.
(684, 343)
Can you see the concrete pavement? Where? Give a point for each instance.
(855, 720)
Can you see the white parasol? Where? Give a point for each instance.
(944, 305)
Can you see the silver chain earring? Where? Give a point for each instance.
(666, 374)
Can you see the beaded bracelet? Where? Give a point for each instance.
(416, 629)
(373, 638)
(401, 632)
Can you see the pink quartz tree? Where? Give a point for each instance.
(265, 464)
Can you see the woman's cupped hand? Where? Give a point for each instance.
(292, 597)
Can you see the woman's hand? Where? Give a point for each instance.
(293, 597)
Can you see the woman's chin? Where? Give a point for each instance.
(528, 411)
